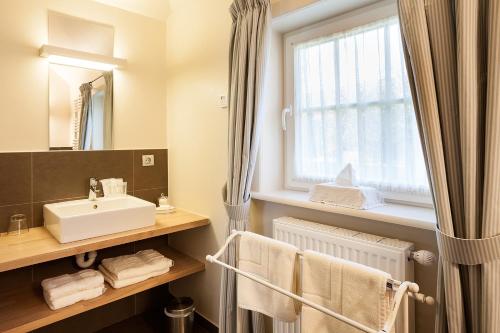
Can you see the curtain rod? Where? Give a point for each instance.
(97, 78)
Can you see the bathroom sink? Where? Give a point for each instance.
(81, 219)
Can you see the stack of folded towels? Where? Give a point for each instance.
(125, 270)
(68, 289)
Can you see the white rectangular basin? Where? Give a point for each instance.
(81, 219)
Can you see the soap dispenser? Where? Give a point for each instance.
(164, 207)
(163, 200)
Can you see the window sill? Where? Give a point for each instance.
(412, 216)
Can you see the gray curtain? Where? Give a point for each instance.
(453, 57)
(85, 113)
(247, 62)
(108, 111)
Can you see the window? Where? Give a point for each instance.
(351, 103)
(94, 139)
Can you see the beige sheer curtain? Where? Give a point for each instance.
(85, 113)
(247, 61)
(453, 58)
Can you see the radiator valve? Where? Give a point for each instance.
(423, 257)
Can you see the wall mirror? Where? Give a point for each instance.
(80, 108)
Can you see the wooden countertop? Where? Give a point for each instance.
(38, 245)
(23, 310)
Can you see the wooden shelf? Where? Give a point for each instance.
(38, 245)
(25, 310)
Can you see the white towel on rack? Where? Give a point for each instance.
(68, 284)
(273, 261)
(353, 290)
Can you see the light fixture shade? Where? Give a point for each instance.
(63, 56)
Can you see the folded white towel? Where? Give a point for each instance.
(68, 284)
(136, 265)
(69, 299)
(273, 261)
(120, 283)
(356, 291)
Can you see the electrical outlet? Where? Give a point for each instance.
(148, 160)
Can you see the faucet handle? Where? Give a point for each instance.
(93, 181)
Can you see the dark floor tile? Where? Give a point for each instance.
(203, 325)
(151, 176)
(150, 322)
(15, 178)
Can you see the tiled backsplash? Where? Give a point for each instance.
(30, 180)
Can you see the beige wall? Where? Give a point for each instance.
(60, 112)
(197, 61)
(197, 72)
(281, 7)
(196, 42)
(80, 34)
(140, 97)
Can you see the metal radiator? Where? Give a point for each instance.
(387, 254)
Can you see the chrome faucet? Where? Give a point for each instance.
(94, 191)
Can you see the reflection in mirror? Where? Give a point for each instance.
(80, 108)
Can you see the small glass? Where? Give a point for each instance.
(123, 189)
(18, 225)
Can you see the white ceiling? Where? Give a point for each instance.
(311, 10)
(157, 9)
(316, 10)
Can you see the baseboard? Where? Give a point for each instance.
(205, 323)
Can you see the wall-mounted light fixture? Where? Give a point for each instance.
(63, 56)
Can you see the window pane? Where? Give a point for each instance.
(353, 105)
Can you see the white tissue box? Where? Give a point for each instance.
(357, 197)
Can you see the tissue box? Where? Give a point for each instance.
(357, 197)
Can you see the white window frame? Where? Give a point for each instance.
(360, 17)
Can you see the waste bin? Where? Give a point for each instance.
(180, 315)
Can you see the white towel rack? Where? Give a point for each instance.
(402, 289)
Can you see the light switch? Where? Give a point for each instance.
(148, 160)
(222, 101)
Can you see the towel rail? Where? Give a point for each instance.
(403, 290)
